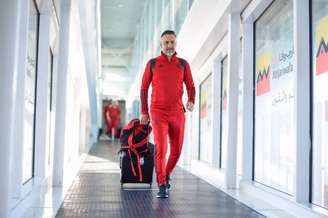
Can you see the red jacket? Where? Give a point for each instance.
(167, 89)
(114, 112)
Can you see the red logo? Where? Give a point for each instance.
(322, 57)
(263, 81)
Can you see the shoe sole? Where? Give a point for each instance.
(166, 196)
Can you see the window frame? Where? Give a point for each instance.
(225, 58)
(199, 111)
(254, 102)
(35, 90)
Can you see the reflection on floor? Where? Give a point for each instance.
(96, 192)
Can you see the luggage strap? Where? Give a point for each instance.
(131, 162)
(132, 147)
(136, 145)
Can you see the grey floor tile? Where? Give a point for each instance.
(96, 192)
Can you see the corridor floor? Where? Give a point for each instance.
(96, 192)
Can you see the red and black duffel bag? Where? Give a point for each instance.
(136, 153)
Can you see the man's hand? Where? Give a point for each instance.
(190, 106)
(144, 119)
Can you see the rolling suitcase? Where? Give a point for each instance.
(136, 154)
(130, 173)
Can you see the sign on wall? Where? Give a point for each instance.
(322, 46)
(274, 101)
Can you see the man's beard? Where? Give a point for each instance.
(169, 52)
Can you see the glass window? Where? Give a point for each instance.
(205, 119)
(224, 112)
(159, 13)
(320, 102)
(181, 8)
(274, 101)
(150, 19)
(136, 108)
(166, 15)
(30, 93)
(143, 38)
(190, 3)
(49, 137)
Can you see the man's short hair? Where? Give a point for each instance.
(168, 32)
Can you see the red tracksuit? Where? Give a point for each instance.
(113, 112)
(167, 110)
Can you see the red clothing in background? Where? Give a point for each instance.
(112, 115)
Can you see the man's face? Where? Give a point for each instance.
(168, 44)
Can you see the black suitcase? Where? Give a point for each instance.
(146, 167)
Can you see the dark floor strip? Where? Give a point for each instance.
(96, 192)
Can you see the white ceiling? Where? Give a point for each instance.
(119, 21)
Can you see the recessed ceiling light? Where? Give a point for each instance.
(120, 5)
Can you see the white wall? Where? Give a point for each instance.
(77, 108)
(204, 42)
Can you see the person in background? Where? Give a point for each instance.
(113, 118)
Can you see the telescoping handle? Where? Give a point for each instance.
(149, 130)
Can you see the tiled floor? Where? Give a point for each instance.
(96, 192)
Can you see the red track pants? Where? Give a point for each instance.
(167, 124)
(112, 124)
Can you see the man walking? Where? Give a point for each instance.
(166, 73)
